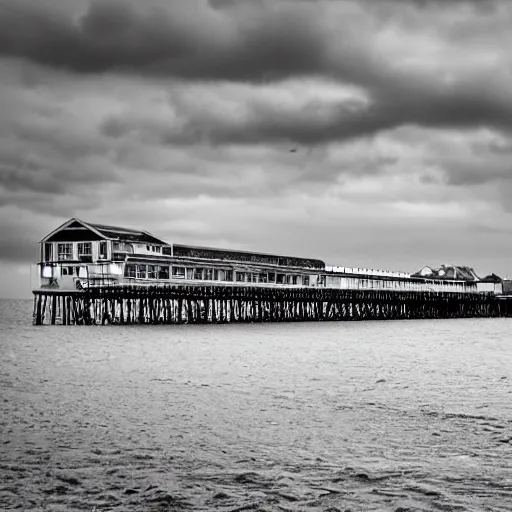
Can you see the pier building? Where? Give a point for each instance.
(79, 255)
(96, 273)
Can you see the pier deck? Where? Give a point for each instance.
(230, 304)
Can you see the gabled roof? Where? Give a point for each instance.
(108, 232)
(72, 224)
(448, 272)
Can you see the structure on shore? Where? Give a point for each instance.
(91, 273)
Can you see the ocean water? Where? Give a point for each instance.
(360, 416)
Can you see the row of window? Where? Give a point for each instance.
(65, 251)
(147, 271)
(205, 274)
(125, 247)
(210, 274)
(380, 283)
(404, 285)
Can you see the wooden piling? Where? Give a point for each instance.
(199, 304)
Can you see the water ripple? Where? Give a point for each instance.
(392, 416)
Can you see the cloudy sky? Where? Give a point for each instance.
(365, 133)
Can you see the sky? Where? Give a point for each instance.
(373, 134)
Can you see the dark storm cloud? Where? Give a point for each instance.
(462, 105)
(53, 165)
(184, 39)
(18, 173)
(254, 41)
(47, 148)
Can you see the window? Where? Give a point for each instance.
(209, 274)
(198, 273)
(229, 275)
(305, 280)
(163, 273)
(152, 272)
(178, 272)
(240, 277)
(84, 248)
(263, 278)
(141, 271)
(271, 277)
(65, 251)
(129, 271)
(190, 273)
(103, 250)
(294, 279)
(85, 251)
(70, 271)
(281, 279)
(48, 252)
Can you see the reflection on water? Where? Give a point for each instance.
(405, 415)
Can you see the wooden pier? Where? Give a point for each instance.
(126, 305)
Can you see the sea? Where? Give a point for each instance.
(393, 416)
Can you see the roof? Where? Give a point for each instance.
(127, 234)
(108, 232)
(191, 251)
(491, 278)
(448, 272)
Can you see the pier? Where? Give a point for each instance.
(96, 274)
(126, 305)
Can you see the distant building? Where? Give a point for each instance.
(448, 272)
(507, 286)
(491, 284)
